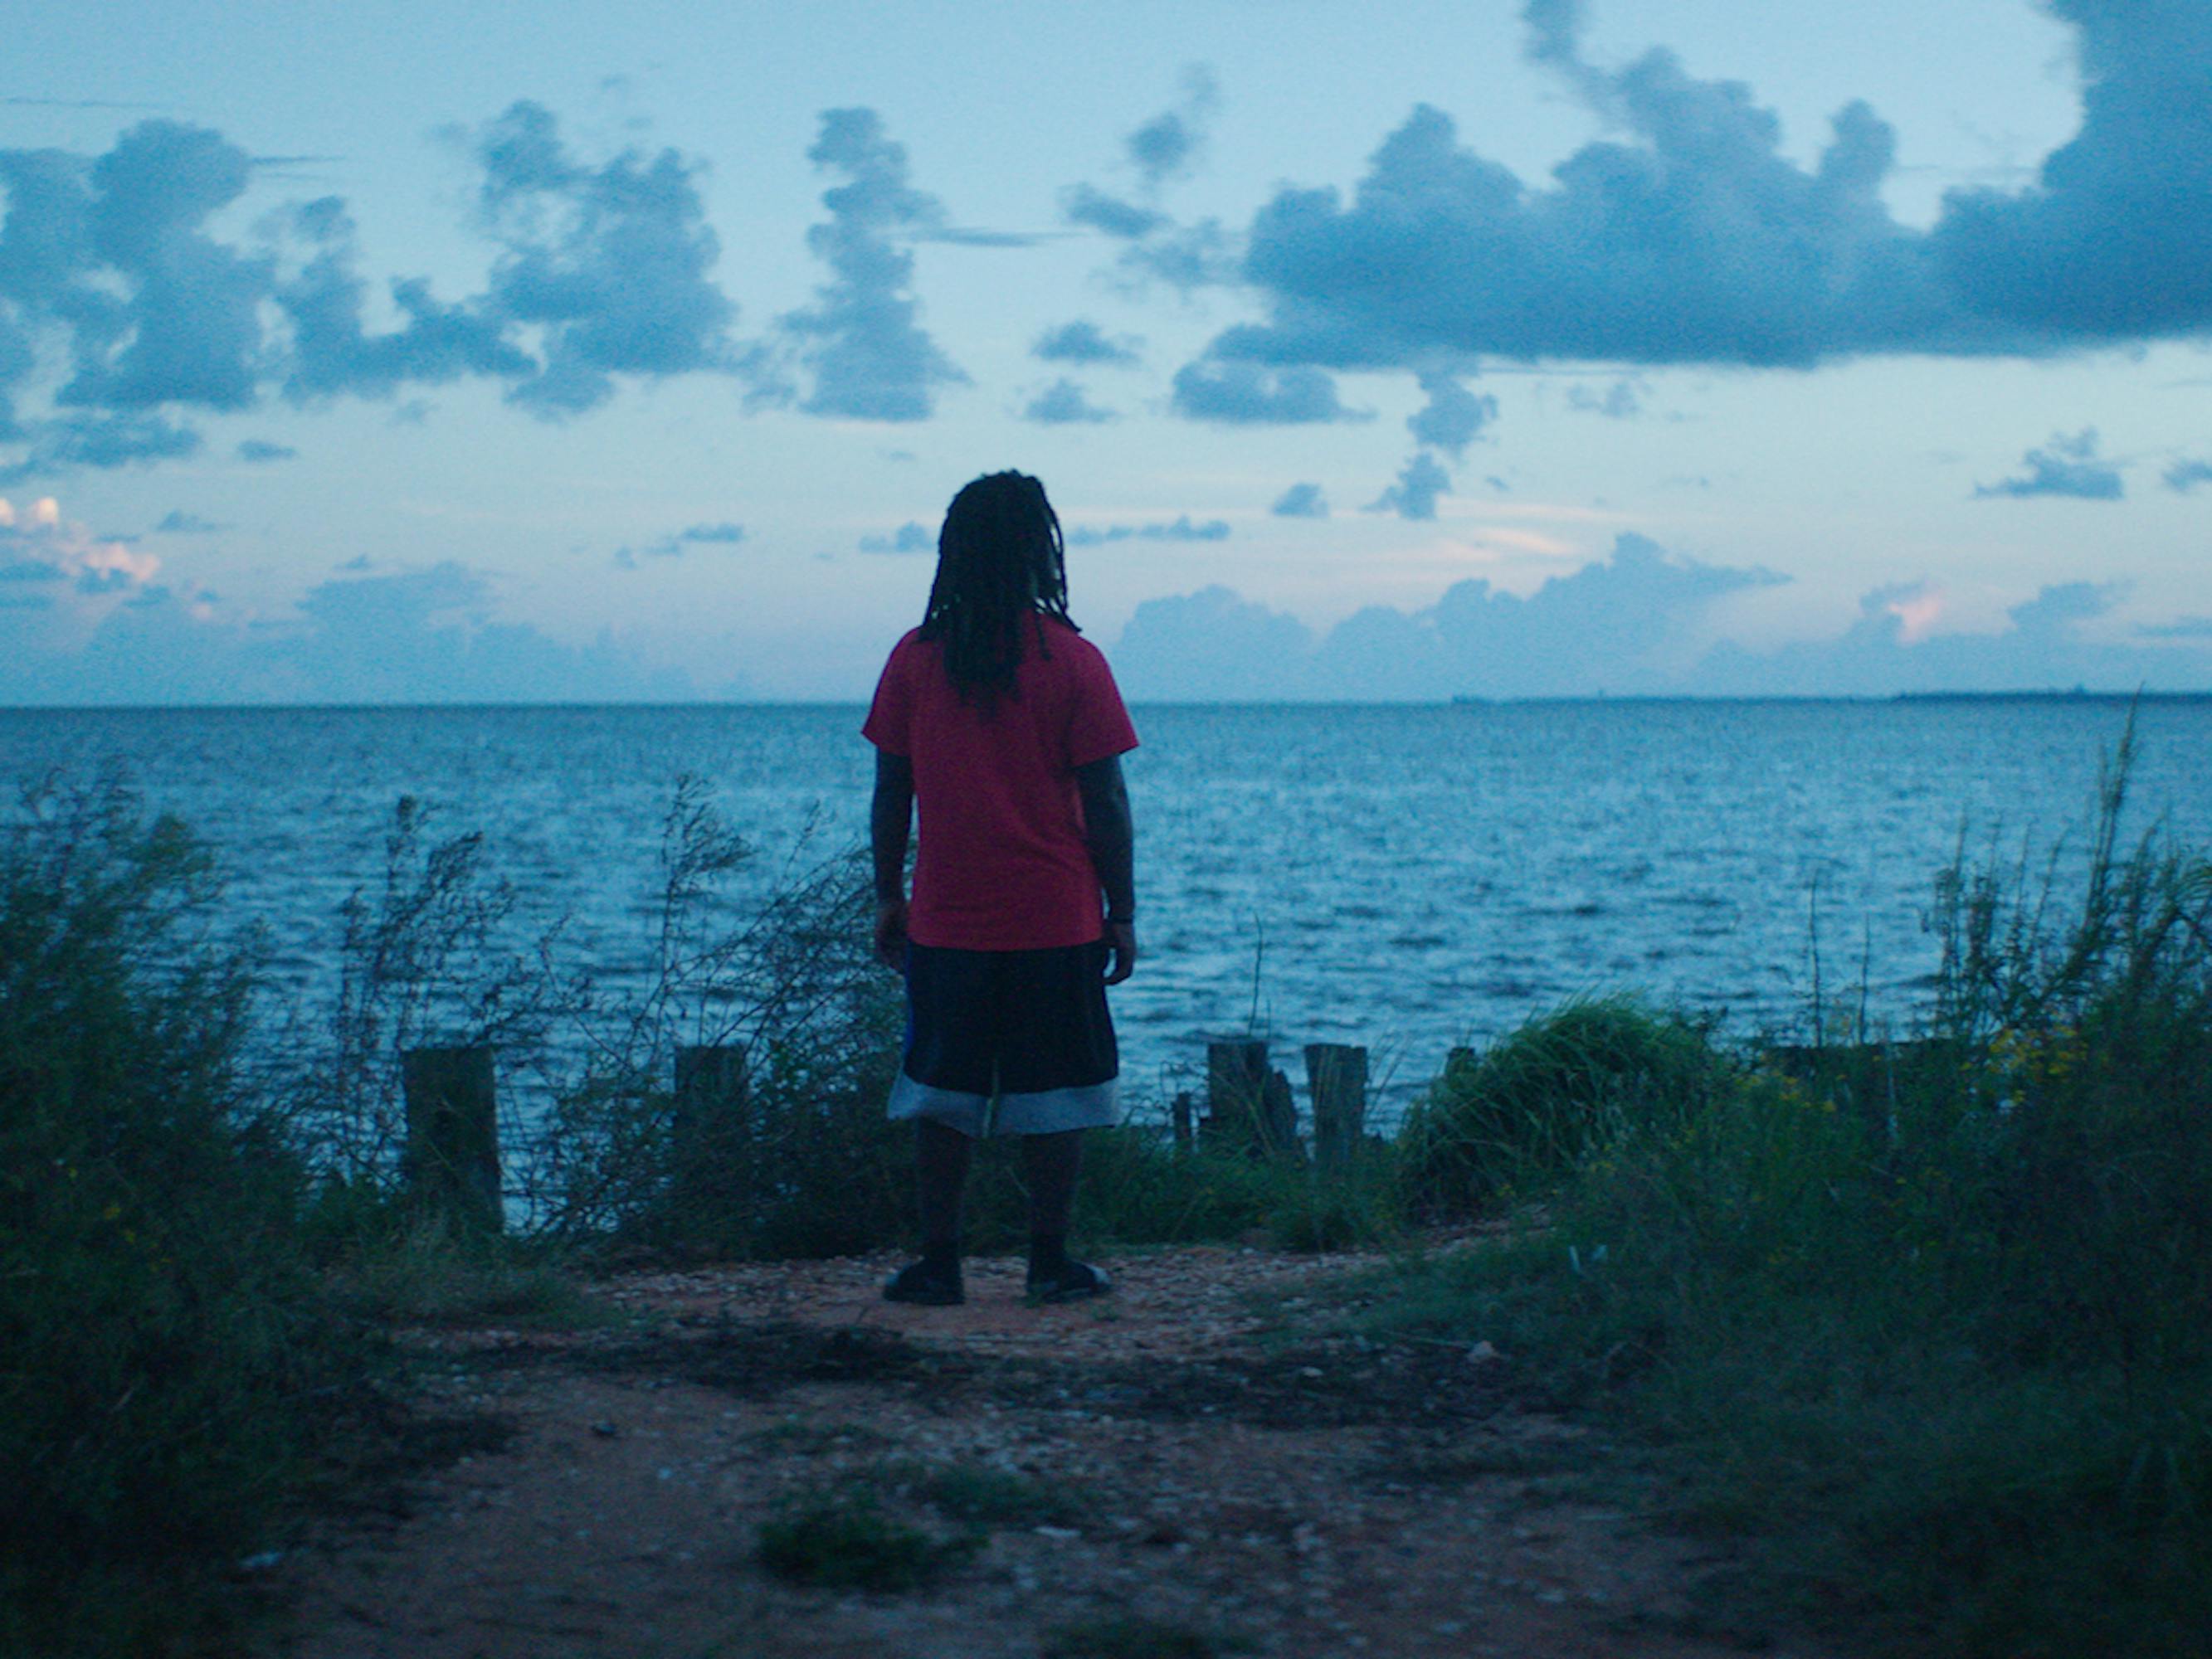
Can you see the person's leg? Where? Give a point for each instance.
(1051, 1163)
(941, 1158)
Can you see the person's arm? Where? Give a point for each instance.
(1112, 835)
(891, 820)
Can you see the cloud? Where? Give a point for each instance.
(1246, 394)
(724, 534)
(1453, 417)
(910, 537)
(671, 546)
(1167, 146)
(871, 359)
(1692, 238)
(1082, 341)
(1162, 149)
(602, 270)
(260, 451)
(609, 263)
(1621, 401)
(417, 637)
(2066, 465)
(1086, 205)
(1628, 623)
(1301, 501)
(1211, 645)
(1063, 403)
(177, 522)
(1415, 495)
(2185, 476)
(1179, 529)
(1890, 648)
(332, 353)
(100, 441)
(65, 568)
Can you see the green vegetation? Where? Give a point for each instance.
(1926, 1322)
(842, 1539)
(167, 1355)
(1140, 1638)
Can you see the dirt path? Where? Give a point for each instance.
(1144, 1470)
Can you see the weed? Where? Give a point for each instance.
(983, 1496)
(1140, 1638)
(842, 1539)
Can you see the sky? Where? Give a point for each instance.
(476, 352)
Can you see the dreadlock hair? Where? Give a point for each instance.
(1001, 564)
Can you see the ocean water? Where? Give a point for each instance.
(1406, 878)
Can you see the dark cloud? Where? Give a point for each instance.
(333, 354)
(603, 270)
(1179, 529)
(871, 358)
(2066, 465)
(1063, 403)
(2185, 476)
(1453, 417)
(100, 441)
(1159, 247)
(1414, 494)
(1167, 146)
(1692, 238)
(2113, 241)
(1083, 343)
(1249, 394)
(261, 451)
(177, 522)
(1086, 205)
(910, 537)
(610, 263)
(1301, 501)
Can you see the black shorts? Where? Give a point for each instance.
(1028, 1029)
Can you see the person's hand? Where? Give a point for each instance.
(1122, 942)
(891, 933)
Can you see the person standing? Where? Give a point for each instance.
(999, 727)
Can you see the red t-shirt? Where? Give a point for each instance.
(1002, 864)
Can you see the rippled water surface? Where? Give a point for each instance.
(1406, 878)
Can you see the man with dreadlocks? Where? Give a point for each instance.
(1003, 724)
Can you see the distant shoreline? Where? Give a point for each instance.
(2076, 695)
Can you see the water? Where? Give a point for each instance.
(1410, 879)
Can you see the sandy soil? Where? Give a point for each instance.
(1194, 1463)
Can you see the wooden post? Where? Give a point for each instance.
(1247, 1107)
(1336, 1083)
(451, 1162)
(1180, 1115)
(715, 1156)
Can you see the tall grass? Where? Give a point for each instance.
(166, 1355)
(1928, 1323)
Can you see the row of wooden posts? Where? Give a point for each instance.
(451, 1162)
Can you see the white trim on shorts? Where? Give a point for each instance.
(1034, 1112)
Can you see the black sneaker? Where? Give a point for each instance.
(1074, 1281)
(924, 1284)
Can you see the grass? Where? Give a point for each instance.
(1926, 1328)
(841, 1537)
(1140, 1638)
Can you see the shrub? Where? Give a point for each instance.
(168, 1352)
(1524, 1113)
(1930, 1327)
